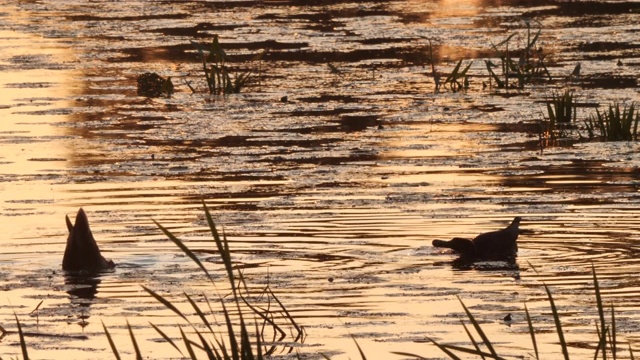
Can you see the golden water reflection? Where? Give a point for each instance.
(332, 197)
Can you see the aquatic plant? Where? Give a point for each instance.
(434, 73)
(607, 339)
(561, 109)
(216, 73)
(614, 124)
(527, 66)
(561, 112)
(457, 79)
(269, 317)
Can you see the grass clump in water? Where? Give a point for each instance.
(217, 73)
(561, 113)
(616, 124)
(457, 80)
(527, 66)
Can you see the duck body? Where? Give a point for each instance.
(494, 245)
(82, 252)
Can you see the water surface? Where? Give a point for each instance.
(331, 197)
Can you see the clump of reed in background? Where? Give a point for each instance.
(525, 65)
(217, 74)
(614, 124)
(561, 113)
(457, 80)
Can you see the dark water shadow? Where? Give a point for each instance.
(83, 289)
(463, 263)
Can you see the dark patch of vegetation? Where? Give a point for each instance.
(153, 85)
(614, 124)
(617, 123)
(217, 74)
(561, 112)
(525, 65)
(457, 80)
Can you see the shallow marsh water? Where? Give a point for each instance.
(333, 196)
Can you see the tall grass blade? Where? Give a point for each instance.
(362, 355)
(450, 354)
(233, 343)
(603, 325)
(223, 350)
(454, 73)
(532, 43)
(23, 344)
(441, 347)
(199, 312)
(532, 332)
(602, 341)
(503, 42)
(136, 348)
(473, 341)
(556, 319)
(209, 350)
(409, 355)
(187, 344)
(165, 302)
(259, 345)
(245, 349)
(493, 75)
(483, 354)
(288, 315)
(165, 337)
(476, 325)
(267, 320)
(223, 246)
(183, 247)
(614, 340)
(111, 343)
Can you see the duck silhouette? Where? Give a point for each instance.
(82, 252)
(494, 245)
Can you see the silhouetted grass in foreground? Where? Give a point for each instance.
(252, 329)
(246, 335)
(607, 345)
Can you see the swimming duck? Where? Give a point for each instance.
(82, 252)
(499, 244)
